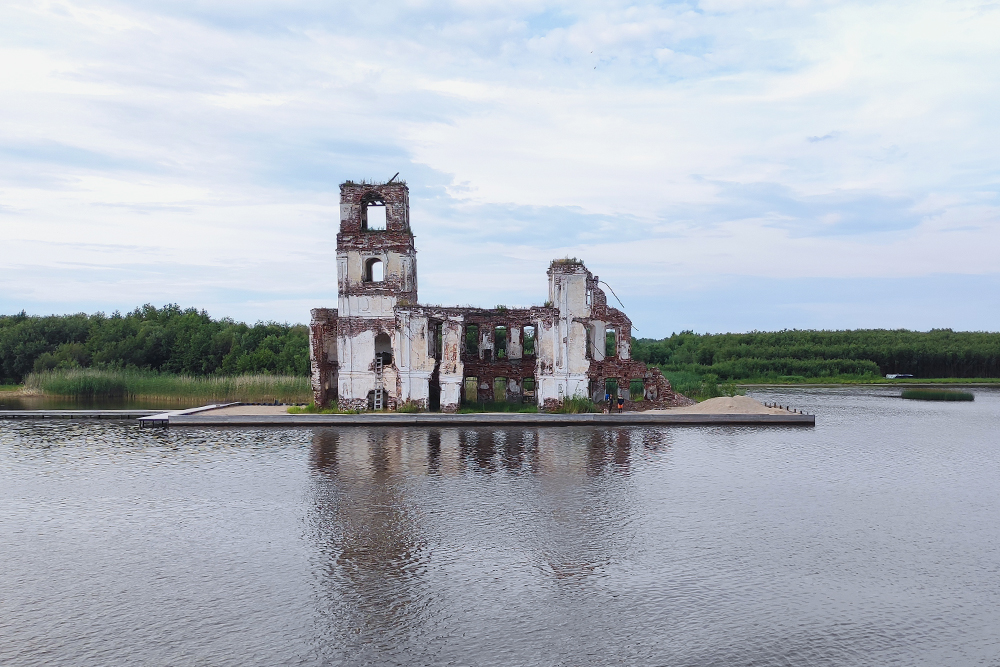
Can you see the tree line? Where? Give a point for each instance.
(188, 341)
(166, 340)
(795, 354)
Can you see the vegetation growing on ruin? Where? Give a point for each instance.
(821, 356)
(165, 340)
(133, 383)
(577, 405)
(496, 406)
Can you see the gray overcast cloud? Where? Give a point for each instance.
(724, 165)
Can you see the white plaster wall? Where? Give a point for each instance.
(358, 353)
(395, 266)
(624, 349)
(415, 366)
(561, 387)
(566, 343)
(598, 345)
(514, 343)
(360, 305)
(451, 370)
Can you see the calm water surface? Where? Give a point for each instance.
(871, 539)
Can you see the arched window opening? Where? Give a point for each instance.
(374, 271)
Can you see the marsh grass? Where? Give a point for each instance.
(937, 395)
(93, 383)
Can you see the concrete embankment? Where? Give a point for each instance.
(725, 410)
(490, 418)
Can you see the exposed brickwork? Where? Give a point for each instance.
(372, 306)
(322, 328)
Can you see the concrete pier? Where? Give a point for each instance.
(490, 418)
(76, 414)
(202, 417)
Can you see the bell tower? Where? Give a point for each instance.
(376, 257)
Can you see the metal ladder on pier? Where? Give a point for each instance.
(378, 382)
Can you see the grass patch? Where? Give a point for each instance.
(496, 406)
(313, 409)
(93, 383)
(577, 405)
(9, 387)
(937, 395)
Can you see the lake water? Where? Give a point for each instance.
(871, 539)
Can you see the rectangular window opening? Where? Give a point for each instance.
(610, 342)
(500, 342)
(436, 337)
(529, 340)
(472, 339)
(611, 389)
(636, 390)
(471, 390)
(375, 217)
(500, 390)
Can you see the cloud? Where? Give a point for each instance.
(659, 142)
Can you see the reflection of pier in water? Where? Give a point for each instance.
(397, 509)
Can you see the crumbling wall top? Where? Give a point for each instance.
(567, 265)
(355, 198)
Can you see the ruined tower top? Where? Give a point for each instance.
(357, 198)
(376, 257)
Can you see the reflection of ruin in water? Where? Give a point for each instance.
(557, 495)
(369, 539)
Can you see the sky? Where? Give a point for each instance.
(722, 165)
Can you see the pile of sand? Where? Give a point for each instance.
(727, 405)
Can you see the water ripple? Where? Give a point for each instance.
(870, 539)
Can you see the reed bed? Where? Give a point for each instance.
(94, 383)
(937, 395)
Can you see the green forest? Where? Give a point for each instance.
(172, 340)
(167, 340)
(797, 356)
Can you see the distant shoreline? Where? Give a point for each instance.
(906, 382)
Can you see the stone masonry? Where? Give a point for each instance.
(380, 349)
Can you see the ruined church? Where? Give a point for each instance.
(380, 349)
